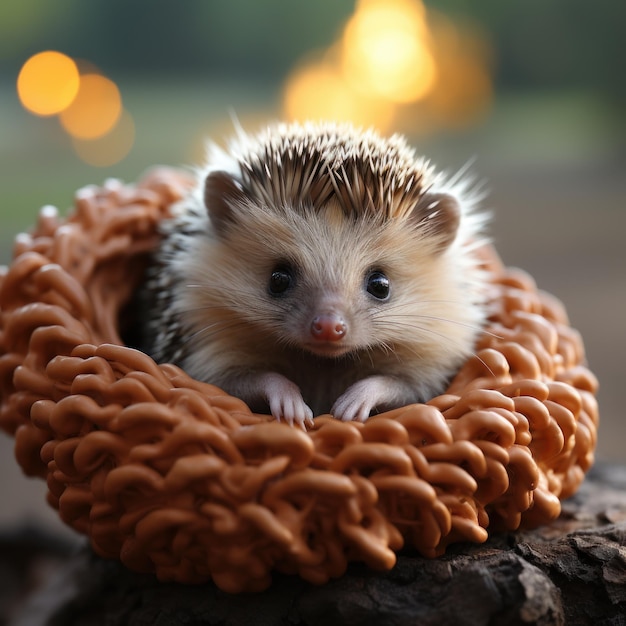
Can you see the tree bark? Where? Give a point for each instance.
(572, 571)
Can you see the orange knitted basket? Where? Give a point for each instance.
(174, 476)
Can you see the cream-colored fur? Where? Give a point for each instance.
(236, 335)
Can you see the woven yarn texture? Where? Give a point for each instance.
(173, 476)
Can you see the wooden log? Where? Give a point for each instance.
(572, 571)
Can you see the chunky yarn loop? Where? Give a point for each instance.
(173, 476)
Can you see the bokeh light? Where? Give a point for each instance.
(95, 109)
(88, 104)
(48, 83)
(386, 50)
(109, 148)
(395, 63)
(318, 90)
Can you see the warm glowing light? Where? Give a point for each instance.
(318, 91)
(88, 104)
(386, 50)
(397, 63)
(95, 110)
(110, 148)
(47, 83)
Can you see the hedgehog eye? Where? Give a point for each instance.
(377, 284)
(281, 279)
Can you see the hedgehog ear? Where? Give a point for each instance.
(440, 214)
(221, 192)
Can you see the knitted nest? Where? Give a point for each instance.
(174, 476)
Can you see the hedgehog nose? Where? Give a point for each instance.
(328, 327)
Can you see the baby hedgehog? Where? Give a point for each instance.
(319, 268)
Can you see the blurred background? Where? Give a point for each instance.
(532, 93)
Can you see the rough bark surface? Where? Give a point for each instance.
(570, 572)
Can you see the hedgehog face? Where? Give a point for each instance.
(309, 277)
(319, 280)
(330, 241)
(324, 254)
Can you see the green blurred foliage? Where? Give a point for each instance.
(220, 37)
(556, 44)
(553, 44)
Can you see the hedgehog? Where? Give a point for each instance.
(319, 268)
